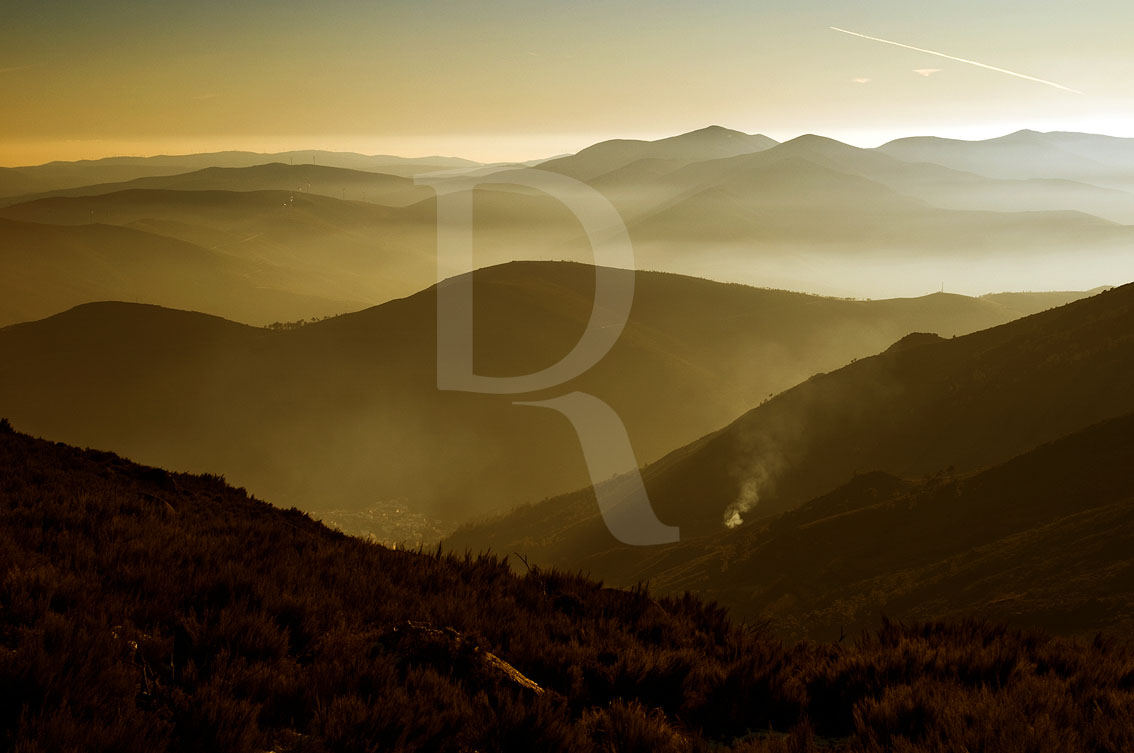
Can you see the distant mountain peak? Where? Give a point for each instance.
(710, 142)
(814, 141)
(715, 131)
(717, 134)
(1024, 134)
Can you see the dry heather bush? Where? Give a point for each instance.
(145, 611)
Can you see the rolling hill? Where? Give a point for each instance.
(1100, 160)
(649, 183)
(1042, 540)
(337, 182)
(344, 415)
(809, 214)
(754, 216)
(333, 249)
(45, 269)
(54, 176)
(924, 405)
(706, 143)
(15, 183)
(939, 186)
(330, 249)
(867, 199)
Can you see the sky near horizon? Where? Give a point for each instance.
(512, 79)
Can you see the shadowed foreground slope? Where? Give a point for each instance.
(143, 611)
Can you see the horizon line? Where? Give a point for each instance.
(426, 154)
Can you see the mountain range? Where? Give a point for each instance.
(50, 268)
(880, 455)
(852, 433)
(345, 414)
(712, 142)
(337, 182)
(54, 176)
(1028, 155)
(329, 255)
(349, 231)
(946, 183)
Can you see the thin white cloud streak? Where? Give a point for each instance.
(959, 60)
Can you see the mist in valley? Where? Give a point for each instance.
(341, 416)
(566, 377)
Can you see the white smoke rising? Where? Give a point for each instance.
(754, 479)
(748, 498)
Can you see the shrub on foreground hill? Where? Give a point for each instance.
(145, 611)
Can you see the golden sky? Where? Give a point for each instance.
(505, 79)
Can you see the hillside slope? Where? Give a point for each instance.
(923, 405)
(1101, 160)
(774, 197)
(344, 415)
(817, 214)
(149, 611)
(54, 176)
(337, 182)
(809, 214)
(939, 186)
(712, 142)
(1041, 540)
(45, 269)
(330, 249)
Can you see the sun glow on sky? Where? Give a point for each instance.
(511, 80)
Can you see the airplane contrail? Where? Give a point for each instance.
(959, 60)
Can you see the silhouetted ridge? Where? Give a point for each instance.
(345, 413)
